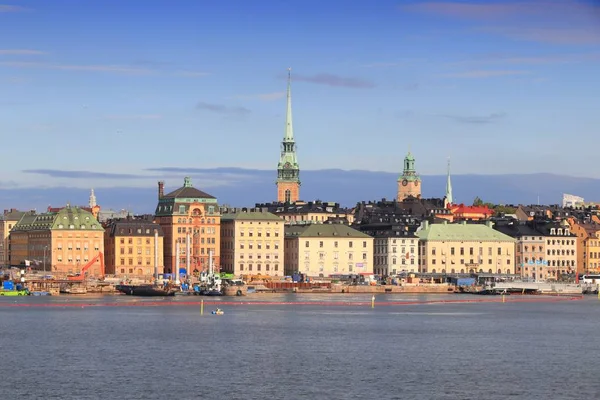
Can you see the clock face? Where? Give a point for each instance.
(404, 182)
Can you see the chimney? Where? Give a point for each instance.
(161, 189)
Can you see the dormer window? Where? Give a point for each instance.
(553, 231)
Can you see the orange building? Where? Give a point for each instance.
(288, 170)
(61, 242)
(462, 212)
(133, 247)
(588, 246)
(191, 221)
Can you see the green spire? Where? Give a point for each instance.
(289, 129)
(449, 199)
(288, 169)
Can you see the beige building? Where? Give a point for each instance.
(322, 250)
(561, 251)
(7, 221)
(465, 248)
(133, 247)
(62, 242)
(252, 243)
(311, 212)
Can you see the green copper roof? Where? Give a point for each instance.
(67, 218)
(462, 233)
(288, 169)
(324, 230)
(409, 157)
(250, 216)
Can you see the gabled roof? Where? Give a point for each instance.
(250, 216)
(463, 232)
(324, 230)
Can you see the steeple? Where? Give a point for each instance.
(409, 183)
(288, 170)
(92, 199)
(289, 129)
(449, 199)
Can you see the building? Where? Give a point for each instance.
(311, 212)
(465, 249)
(288, 170)
(61, 242)
(7, 221)
(133, 247)
(461, 212)
(572, 201)
(252, 243)
(544, 249)
(588, 246)
(321, 250)
(409, 183)
(189, 214)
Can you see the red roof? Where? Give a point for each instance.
(462, 209)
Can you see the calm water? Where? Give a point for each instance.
(422, 351)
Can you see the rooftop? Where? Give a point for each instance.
(250, 216)
(323, 230)
(462, 232)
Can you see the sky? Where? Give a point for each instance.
(113, 93)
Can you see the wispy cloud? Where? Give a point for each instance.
(483, 119)
(84, 68)
(561, 58)
(547, 21)
(335, 80)
(192, 74)
(261, 96)
(222, 109)
(20, 52)
(135, 116)
(7, 8)
(398, 63)
(484, 74)
(56, 173)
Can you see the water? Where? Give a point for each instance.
(421, 351)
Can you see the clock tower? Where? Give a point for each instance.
(409, 183)
(288, 171)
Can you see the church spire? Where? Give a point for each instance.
(289, 129)
(92, 202)
(449, 199)
(288, 170)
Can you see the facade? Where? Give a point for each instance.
(288, 170)
(133, 247)
(588, 246)
(61, 242)
(409, 183)
(7, 221)
(301, 212)
(322, 250)
(465, 249)
(545, 250)
(252, 243)
(189, 214)
(461, 212)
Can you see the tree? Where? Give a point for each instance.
(477, 201)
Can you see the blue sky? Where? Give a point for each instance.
(96, 93)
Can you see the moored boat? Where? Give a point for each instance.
(14, 293)
(146, 290)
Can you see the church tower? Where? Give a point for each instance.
(288, 171)
(448, 200)
(409, 183)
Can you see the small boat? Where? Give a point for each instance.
(212, 292)
(40, 294)
(146, 290)
(217, 312)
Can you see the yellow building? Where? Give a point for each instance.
(252, 243)
(321, 250)
(133, 247)
(7, 221)
(588, 246)
(465, 248)
(63, 241)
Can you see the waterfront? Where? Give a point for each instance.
(421, 351)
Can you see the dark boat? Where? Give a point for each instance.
(212, 292)
(146, 290)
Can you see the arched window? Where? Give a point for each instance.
(288, 196)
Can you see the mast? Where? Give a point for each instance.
(187, 254)
(156, 255)
(176, 272)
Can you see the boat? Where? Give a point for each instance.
(217, 312)
(212, 292)
(146, 290)
(42, 293)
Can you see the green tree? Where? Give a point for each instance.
(477, 201)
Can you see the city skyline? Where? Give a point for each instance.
(100, 92)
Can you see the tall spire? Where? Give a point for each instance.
(449, 199)
(92, 199)
(289, 129)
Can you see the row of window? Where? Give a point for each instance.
(433, 261)
(383, 260)
(210, 230)
(323, 255)
(383, 250)
(202, 221)
(471, 251)
(130, 241)
(140, 261)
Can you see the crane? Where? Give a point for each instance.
(81, 275)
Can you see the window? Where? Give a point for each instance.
(321, 244)
(335, 244)
(365, 244)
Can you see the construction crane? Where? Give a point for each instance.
(81, 275)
